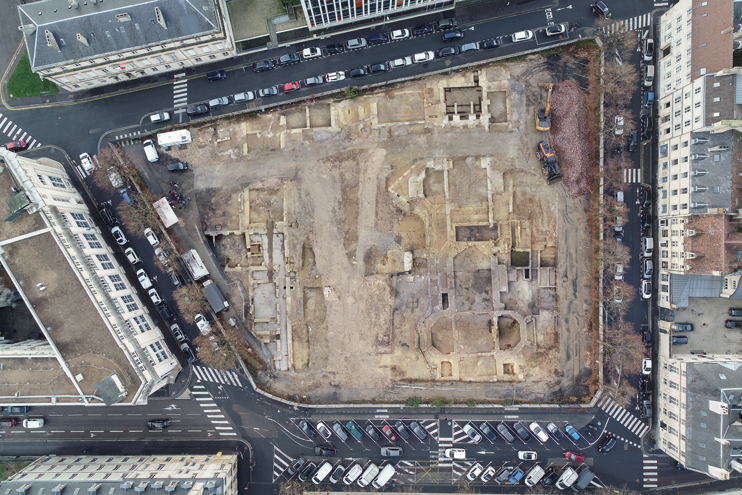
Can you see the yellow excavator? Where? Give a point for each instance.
(543, 122)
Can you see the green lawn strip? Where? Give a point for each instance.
(23, 83)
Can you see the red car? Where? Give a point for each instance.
(574, 456)
(292, 86)
(16, 146)
(389, 432)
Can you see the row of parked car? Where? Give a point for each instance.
(362, 475)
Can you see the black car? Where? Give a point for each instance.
(647, 126)
(682, 339)
(634, 141)
(295, 466)
(646, 220)
(7, 423)
(263, 66)
(307, 471)
(682, 327)
(647, 338)
(359, 72)
(505, 433)
(217, 75)
(645, 385)
(448, 51)
(197, 110)
(165, 311)
(308, 431)
(601, 9)
(488, 431)
(288, 59)
(453, 35)
(522, 432)
(382, 67)
(335, 48)
(733, 324)
(325, 451)
(337, 473)
(607, 444)
(645, 198)
(490, 43)
(402, 430)
(550, 477)
(735, 311)
(157, 424)
(107, 215)
(422, 29)
(373, 433)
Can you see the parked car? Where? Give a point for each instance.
(679, 339)
(339, 431)
(647, 126)
(485, 428)
(574, 456)
(373, 433)
(474, 472)
(155, 296)
(307, 471)
(118, 234)
(572, 432)
(334, 48)
(539, 432)
(144, 280)
(402, 430)
(516, 476)
(488, 474)
(522, 432)
(423, 57)
(634, 141)
(417, 430)
(648, 49)
(295, 466)
(124, 192)
(503, 430)
(448, 51)
(645, 385)
(335, 76)
(400, 34)
(733, 324)
(550, 476)
(243, 97)
(291, 86)
(646, 220)
(646, 408)
(337, 473)
(446, 24)
(222, 101)
(197, 110)
(522, 36)
(359, 72)
(470, 47)
(682, 327)
(323, 430)
(268, 92)
(608, 443)
(400, 62)
(503, 476)
(354, 430)
(453, 35)
(389, 433)
(422, 29)
(313, 81)
(151, 237)
(490, 43)
(352, 474)
(356, 43)
(556, 29)
(735, 311)
(312, 52)
(554, 430)
(618, 130)
(619, 272)
(263, 65)
(165, 311)
(377, 39)
(382, 67)
(646, 289)
(216, 75)
(472, 433)
(646, 366)
(289, 59)
(131, 255)
(647, 338)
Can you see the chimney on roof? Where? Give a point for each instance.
(160, 19)
(82, 39)
(50, 41)
(73, 4)
(27, 29)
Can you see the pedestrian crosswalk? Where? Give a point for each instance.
(127, 138)
(180, 92)
(632, 175)
(633, 24)
(16, 133)
(649, 473)
(443, 444)
(628, 420)
(213, 413)
(205, 374)
(281, 462)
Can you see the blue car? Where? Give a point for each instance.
(516, 476)
(125, 194)
(572, 432)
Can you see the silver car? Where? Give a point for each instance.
(266, 92)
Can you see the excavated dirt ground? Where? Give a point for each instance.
(352, 186)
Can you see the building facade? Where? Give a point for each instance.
(81, 45)
(78, 295)
(323, 14)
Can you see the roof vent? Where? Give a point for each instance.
(687, 267)
(141, 487)
(21, 490)
(699, 172)
(82, 39)
(210, 485)
(688, 233)
(160, 19)
(93, 489)
(50, 41)
(27, 29)
(698, 156)
(699, 140)
(72, 4)
(157, 486)
(699, 189)
(57, 490)
(170, 488)
(126, 486)
(698, 205)
(187, 485)
(689, 255)
(123, 17)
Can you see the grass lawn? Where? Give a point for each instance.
(24, 83)
(10, 468)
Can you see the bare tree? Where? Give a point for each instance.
(619, 296)
(616, 35)
(190, 300)
(111, 162)
(139, 214)
(213, 350)
(615, 252)
(624, 348)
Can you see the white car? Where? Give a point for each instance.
(646, 289)
(162, 255)
(118, 234)
(159, 117)
(86, 162)
(474, 471)
(522, 36)
(202, 323)
(421, 57)
(400, 34)
(177, 332)
(144, 280)
(243, 97)
(619, 272)
(527, 455)
(619, 126)
(33, 423)
(472, 433)
(154, 296)
(539, 432)
(400, 62)
(151, 237)
(312, 52)
(488, 474)
(646, 366)
(132, 256)
(335, 76)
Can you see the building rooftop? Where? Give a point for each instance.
(711, 171)
(712, 41)
(94, 29)
(684, 287)
(722, 97)
(709, 383)
(32, 257)
(706, 243)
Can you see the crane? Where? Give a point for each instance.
(543, 123)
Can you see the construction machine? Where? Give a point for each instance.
(546, 154)
(543, 123)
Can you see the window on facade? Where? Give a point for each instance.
(159, 59)
(57, 182)
(92, 241)
(42, 180)
(80, 220)
(129, 303)
(674, 176)
(677, 114)
(674, 192)
(665, 254)
(117, 282)
(677, 127)
(684, 190)
(684, 175)
(684, 206)
(141, 323)
(698, 104)
(702, 71)
(198, 59)
(159, 351)
(674, 208)
(105, 261)
(697, 120)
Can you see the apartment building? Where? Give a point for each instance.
(322, 14)
(81, 45)
(117, 475)
(95, 341)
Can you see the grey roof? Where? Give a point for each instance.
(738, 88)
(712, 382)
(105, 33)
(711, 171)
(683, 287)
(109, 391)
(98, 485)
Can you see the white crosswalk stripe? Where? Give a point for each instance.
(633, 24)
(431, 426)
(16, 133)
(205, 374)
(180, 93)
(628, 420)
(649, 475)
(632, 175)
(281, 461)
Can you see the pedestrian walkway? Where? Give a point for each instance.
(281, 462)
(649, 472)
(180, 93)
(624, 417)
(16, 133)
(443, 444)
(127, 138)
(633, 24)
(632, 175)
(213, 413)
(205, 374)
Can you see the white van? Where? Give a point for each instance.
(619, 198)
(352, 474)
(384, 476)
(33, 423)
(86, 162)
(568, 477)
(534, 475)
(455, 453)
(368, 475)
(647, 247)
(648, 75)
(322, 473)
(150, 151)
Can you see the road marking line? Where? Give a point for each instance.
(116, 431)
(194, 431)
(10, 122)
(214, 415)
(135, 431)
(76, 431)
(228, 434)
(5, 119)
(58, 431)
(209, 411)
(223, 428)
(221, 423)
(203, 398)
(200, 393)
(23, 138)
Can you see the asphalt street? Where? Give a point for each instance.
(221, 406)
